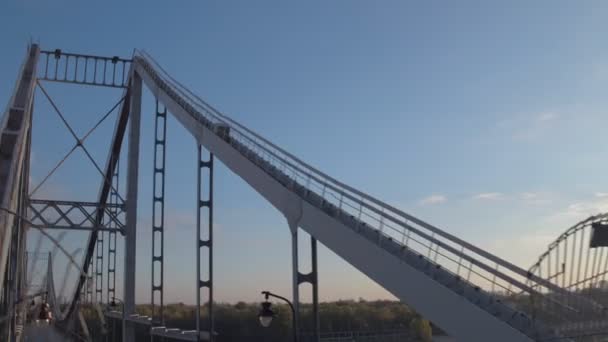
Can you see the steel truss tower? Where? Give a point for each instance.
(21, 206)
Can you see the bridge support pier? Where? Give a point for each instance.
(300, 278)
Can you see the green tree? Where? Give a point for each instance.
(422, 329)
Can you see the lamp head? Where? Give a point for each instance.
(266, 314)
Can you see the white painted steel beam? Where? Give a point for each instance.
(454, 313)
(128, 332)
(13, 134)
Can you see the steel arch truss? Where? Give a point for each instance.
(75, 215)
(572, 263)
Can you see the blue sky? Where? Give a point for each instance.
(486, 119)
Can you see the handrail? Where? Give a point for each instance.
(368, 206)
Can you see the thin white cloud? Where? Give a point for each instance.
(536, 198)
(489, 196)
(529, 195)
(433, 199)
(601, 194)
(587, 208)
(582, 209)
(547, 116)
(530, 126)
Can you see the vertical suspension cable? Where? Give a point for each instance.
(111, 285)
(83, 291)
(580, 282)
(565, 262)
(571, 273)
(560, 266)
(598, 270)
(597, 259)
(557, 268)
(549, 274)
(201, 242)
(99, 268)
(593, 262)
(540, 275)
(158, 214)
(587, 254)
(604, 270)
(580, 258)
(90, 284)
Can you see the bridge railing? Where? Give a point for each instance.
(510, 283)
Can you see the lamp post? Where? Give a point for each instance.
(266, 314)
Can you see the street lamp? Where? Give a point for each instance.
(266, 314)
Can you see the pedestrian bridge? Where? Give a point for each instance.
(470, 293)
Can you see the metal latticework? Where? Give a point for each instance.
(204, 203)
(59, 66)
(158, 214)
(54, 214)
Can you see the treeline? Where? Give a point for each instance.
(239, 322)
